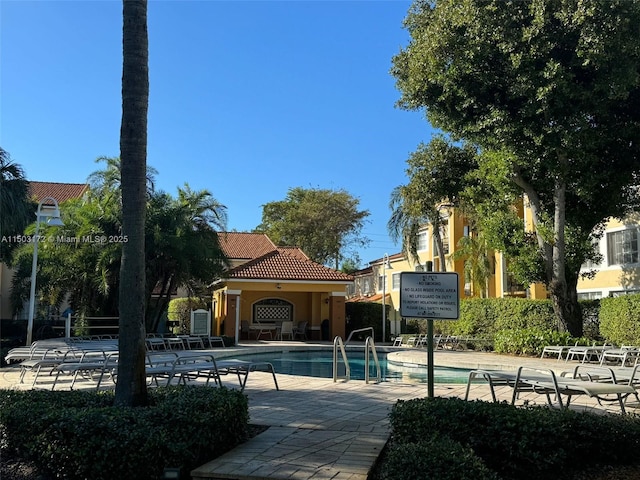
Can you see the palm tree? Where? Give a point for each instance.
(437, 174)
(182, 246)
(410, 213)
(473, 249)
(131, 389)
(16, 209)
(107, 181)
(181, 249)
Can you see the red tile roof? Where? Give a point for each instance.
(392, 257)
(286, 264)
(243, 245)
(58, 191)
(371, 298)
(265, 261)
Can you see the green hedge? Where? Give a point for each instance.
(620, 319)
(531, 341)
(79, 434)
(496, 440)
(484, 317)
(366, 314)
(179, 310)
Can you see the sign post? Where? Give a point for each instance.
(429, 295)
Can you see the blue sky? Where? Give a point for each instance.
(247, 98)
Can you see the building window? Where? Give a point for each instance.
(423, 240)
(589, 295)
(366, 286)
(382, 278)
(591, 264)
(622, 247)
(619, 293)
(395, 281)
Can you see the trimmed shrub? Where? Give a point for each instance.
(435, 458)
(521, 443)
(530, 341)
(620, 319)
(366, 314)
(591, 319)
(179, 310)
(79, 434)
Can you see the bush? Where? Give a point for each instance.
(620, 319)
(366, 314)
(434, 458)
(520, 443)
(487, 317)
(79, 434)
(484, 317)
(180, 311)
(531, 341)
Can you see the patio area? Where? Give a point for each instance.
(319, 429)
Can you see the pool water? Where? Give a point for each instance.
(319, 363)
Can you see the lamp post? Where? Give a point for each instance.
(385, 265)
(47, 209)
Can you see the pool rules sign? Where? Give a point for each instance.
(431, 295)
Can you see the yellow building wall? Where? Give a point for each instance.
(608, 279)
(611, 279)
(311, 302)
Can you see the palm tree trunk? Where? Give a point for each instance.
(131, 389)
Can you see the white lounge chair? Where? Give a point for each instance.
(557, 350)
(625, 355)
(242, 369)
(546, 382)
(587, 353)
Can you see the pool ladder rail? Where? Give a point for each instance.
(369, 351)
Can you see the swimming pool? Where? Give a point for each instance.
(319, 363)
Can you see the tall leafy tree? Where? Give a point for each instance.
(553, 86)
(16, 208)
(131, 388)
(323, 223)
(437, 175)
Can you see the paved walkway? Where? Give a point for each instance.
(319, 429)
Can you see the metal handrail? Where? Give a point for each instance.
(369, 349)
(370, 345)
(358, 331)
(337, 341)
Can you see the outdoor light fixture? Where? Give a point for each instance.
(47, 211)
(385, 265)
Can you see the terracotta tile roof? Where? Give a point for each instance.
(371, 298)
(286, 264)
(392, 258)
(59, 191)
(363, 272)
(294, 251)
(243, 245)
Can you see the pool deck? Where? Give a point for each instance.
(320, 430)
